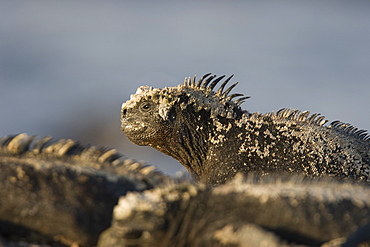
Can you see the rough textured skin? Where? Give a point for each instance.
(61, 191)
(209, 134)
(272, 212)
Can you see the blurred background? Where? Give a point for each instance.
(67, 66)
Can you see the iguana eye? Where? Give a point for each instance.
(172, 115)
(146, 106)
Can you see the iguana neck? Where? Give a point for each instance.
(188, 142)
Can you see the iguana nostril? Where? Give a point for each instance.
(124, 111)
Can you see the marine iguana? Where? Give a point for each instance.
(61, 191)
(213, 138)
(272, 211)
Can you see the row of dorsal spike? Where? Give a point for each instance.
(350, 129)
(298, 115)
(209, 81)
(23, 143)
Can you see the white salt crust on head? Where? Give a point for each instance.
(198, 98)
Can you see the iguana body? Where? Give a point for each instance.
(62, 191)
(271, 212)
(209, 134)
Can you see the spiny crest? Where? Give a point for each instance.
(203, 84)
(48, 148)
(202, 97)
(300, 116)
(351, 130)
(317, 119)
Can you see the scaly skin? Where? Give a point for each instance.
(209, 134)
(60, 191)
(282, 211)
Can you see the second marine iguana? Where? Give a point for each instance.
(62, 192)
(268, 211)
(209, 134)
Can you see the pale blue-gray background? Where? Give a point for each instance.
(66, 66)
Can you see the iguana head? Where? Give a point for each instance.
(177, 120)
(146, 116)
(153, 218)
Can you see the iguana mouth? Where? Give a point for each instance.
(128, 125)
(137, 131)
